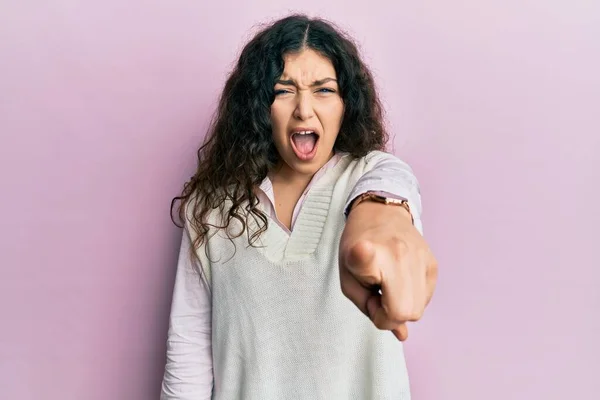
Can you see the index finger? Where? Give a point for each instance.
(397, 293)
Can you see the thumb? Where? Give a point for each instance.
(360, 255)
(361, 264)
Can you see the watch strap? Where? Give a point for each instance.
(371, 196)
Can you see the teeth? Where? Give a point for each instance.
(304, 132)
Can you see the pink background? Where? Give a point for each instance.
(495, 104)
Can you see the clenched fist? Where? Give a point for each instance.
(386, 268)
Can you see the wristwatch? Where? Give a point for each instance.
(372, 196)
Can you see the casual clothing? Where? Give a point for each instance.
(271, 322)
(267, 197)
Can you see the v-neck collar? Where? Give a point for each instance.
(277, 244)
(267, 195)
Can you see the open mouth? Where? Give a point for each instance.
(304, 143)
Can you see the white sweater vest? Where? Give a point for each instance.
(281, 327)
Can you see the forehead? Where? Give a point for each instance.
(307, 66)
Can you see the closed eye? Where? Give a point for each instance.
(322, 90)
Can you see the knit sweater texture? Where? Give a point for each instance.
(281, 327)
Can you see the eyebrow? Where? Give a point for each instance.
(291, 82)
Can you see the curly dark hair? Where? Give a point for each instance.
(239, 149)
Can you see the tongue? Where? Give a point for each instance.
(305, 143)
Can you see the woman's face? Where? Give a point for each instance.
(307, 113)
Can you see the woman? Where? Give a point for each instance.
(292, 182)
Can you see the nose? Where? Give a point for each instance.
(304, 107)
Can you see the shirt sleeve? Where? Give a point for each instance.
(391, 177)
(188, 372)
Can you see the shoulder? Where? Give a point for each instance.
(380, 167)
(378, 156)
(197, 217)
(377, 159)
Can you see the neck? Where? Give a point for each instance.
(284, 174)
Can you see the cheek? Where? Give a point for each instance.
(278, 124)
(333, 114)
(278, 118)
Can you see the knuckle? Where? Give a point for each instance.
(400, 244)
